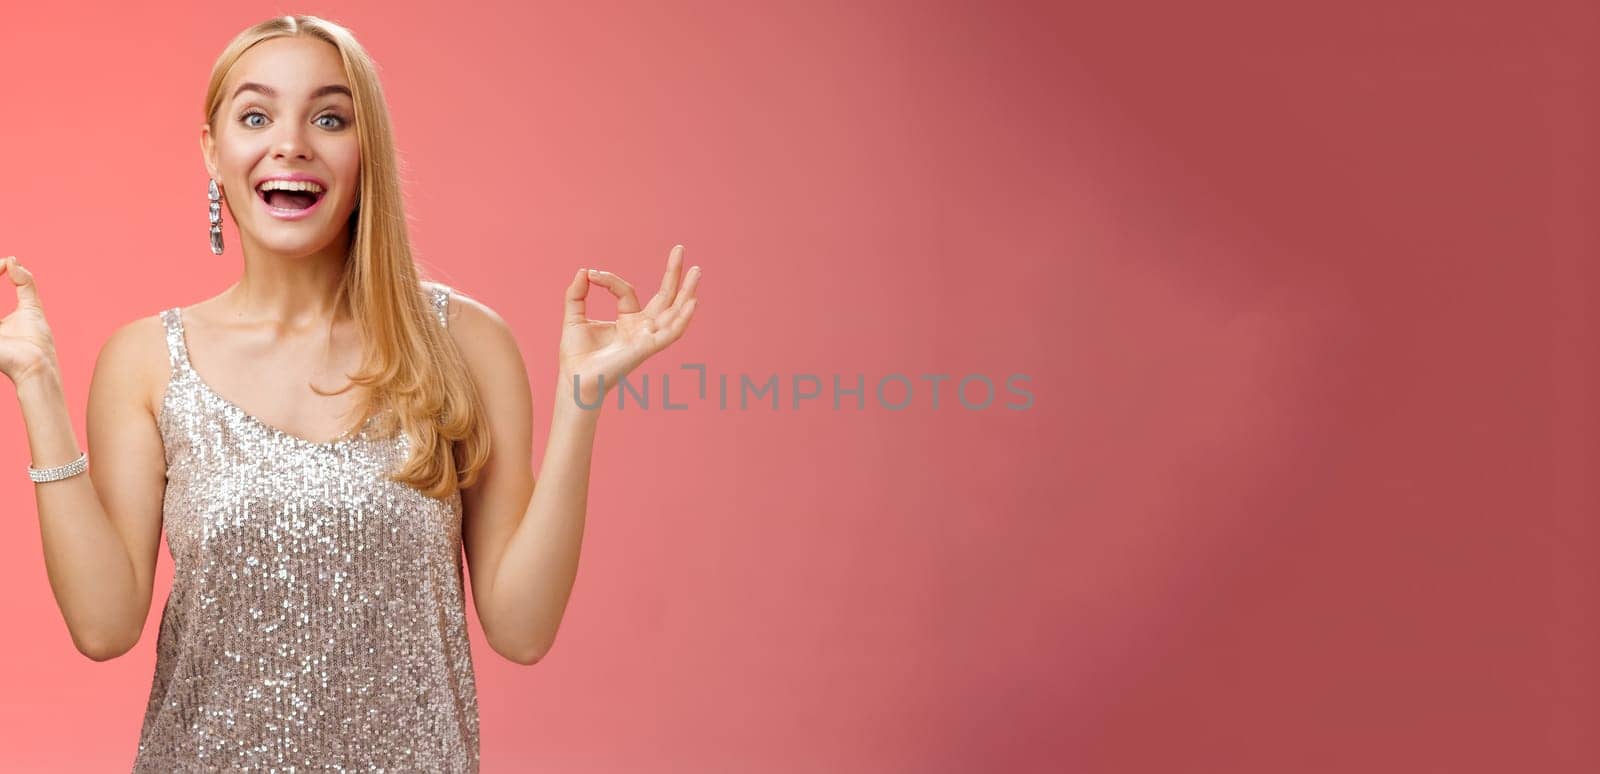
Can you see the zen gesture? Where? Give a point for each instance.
(602, 352)
(26, 346)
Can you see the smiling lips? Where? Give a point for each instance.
(290, 197)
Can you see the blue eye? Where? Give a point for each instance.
(339, 120)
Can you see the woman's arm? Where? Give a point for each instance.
(522, 540)
(100, 529)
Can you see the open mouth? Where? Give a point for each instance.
(290, 197)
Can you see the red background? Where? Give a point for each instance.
(1304, 291)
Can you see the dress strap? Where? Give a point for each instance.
(177, 348)
(441, 302)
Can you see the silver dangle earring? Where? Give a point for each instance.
(216, 216)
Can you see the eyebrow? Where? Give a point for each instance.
(271, 92)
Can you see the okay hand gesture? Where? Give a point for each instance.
(610, 349)
(26, 346)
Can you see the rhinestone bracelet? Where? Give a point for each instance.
(59, 472)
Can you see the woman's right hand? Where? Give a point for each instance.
(26, 346)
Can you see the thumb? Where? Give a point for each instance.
(575, 308)
(27, 293)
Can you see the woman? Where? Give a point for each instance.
(317, 614)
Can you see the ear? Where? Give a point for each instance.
(208, 151)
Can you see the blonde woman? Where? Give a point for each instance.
(320, 441)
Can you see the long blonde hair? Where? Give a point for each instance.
(411, 364)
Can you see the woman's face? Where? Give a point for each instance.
(286, 114)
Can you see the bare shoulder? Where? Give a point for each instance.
(487, 342)
(471, 319)
(133, 362)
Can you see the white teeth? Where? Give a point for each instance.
(289, 185)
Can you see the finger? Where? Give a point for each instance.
(673, 329)
(577, 290)
(669, 283)
(627, 302)
(27, 293)
(691, 284)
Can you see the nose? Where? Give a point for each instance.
(290, 142)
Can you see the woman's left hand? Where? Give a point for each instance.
(592, 349)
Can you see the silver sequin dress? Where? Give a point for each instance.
(317, 619)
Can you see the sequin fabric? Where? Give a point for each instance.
(316, 620)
